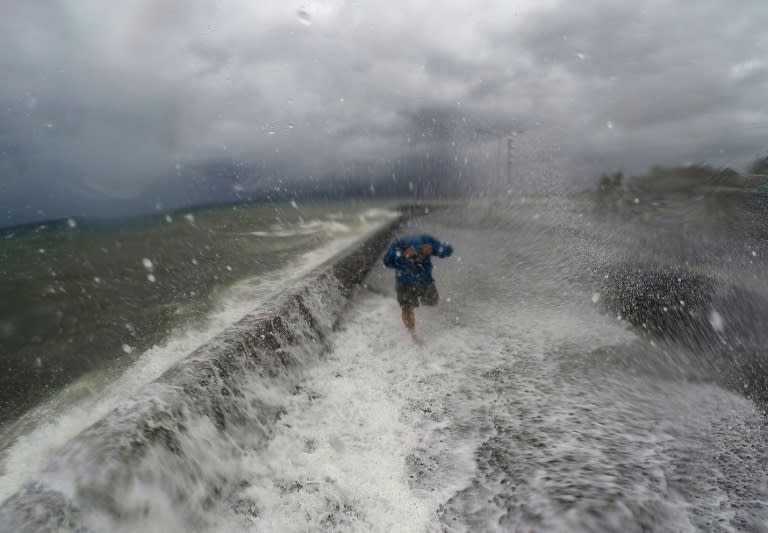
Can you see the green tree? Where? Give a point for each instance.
(610, 189)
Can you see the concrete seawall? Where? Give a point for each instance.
(155, 435)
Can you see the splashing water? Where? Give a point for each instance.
(529, 407)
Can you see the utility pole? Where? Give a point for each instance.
(498, 160)
(499, 138)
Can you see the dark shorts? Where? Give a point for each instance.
(410, 296)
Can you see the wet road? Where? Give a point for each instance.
(528, 408)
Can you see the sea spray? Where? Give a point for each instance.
(176, 444)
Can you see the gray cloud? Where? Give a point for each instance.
(112, 107)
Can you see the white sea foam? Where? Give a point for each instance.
(310, 227)
(378, 212)
(338, 458)
(371, 441)
(332, 226)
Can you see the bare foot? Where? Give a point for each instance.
(417, 340)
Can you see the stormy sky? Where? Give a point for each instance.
(120, 107)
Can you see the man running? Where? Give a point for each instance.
(411, 256)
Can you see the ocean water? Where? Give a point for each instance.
(92, 310)
(582, 372)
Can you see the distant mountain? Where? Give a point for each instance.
(224, 181)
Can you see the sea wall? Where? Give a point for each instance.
(177, 442)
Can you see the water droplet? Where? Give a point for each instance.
(190, 218)
(127, 348)
(97, 279)
(71, 223)
(609, 125)
(151, 278)
(147, 264)
(304, 17)
(291, 126)
(581, 56)
(30, 102)
(194, 261)
(272, 132)
(229, 268)
(49, 125)
(168, 219)
(595, 297)
(716, 321)
(294, 204)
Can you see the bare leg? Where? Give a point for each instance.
(409, 319)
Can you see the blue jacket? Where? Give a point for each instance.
(417, 271)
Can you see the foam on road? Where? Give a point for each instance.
(526, 410)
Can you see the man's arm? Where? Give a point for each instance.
(440, 249)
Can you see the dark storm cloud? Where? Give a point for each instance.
(672, 82)
(128, 104)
